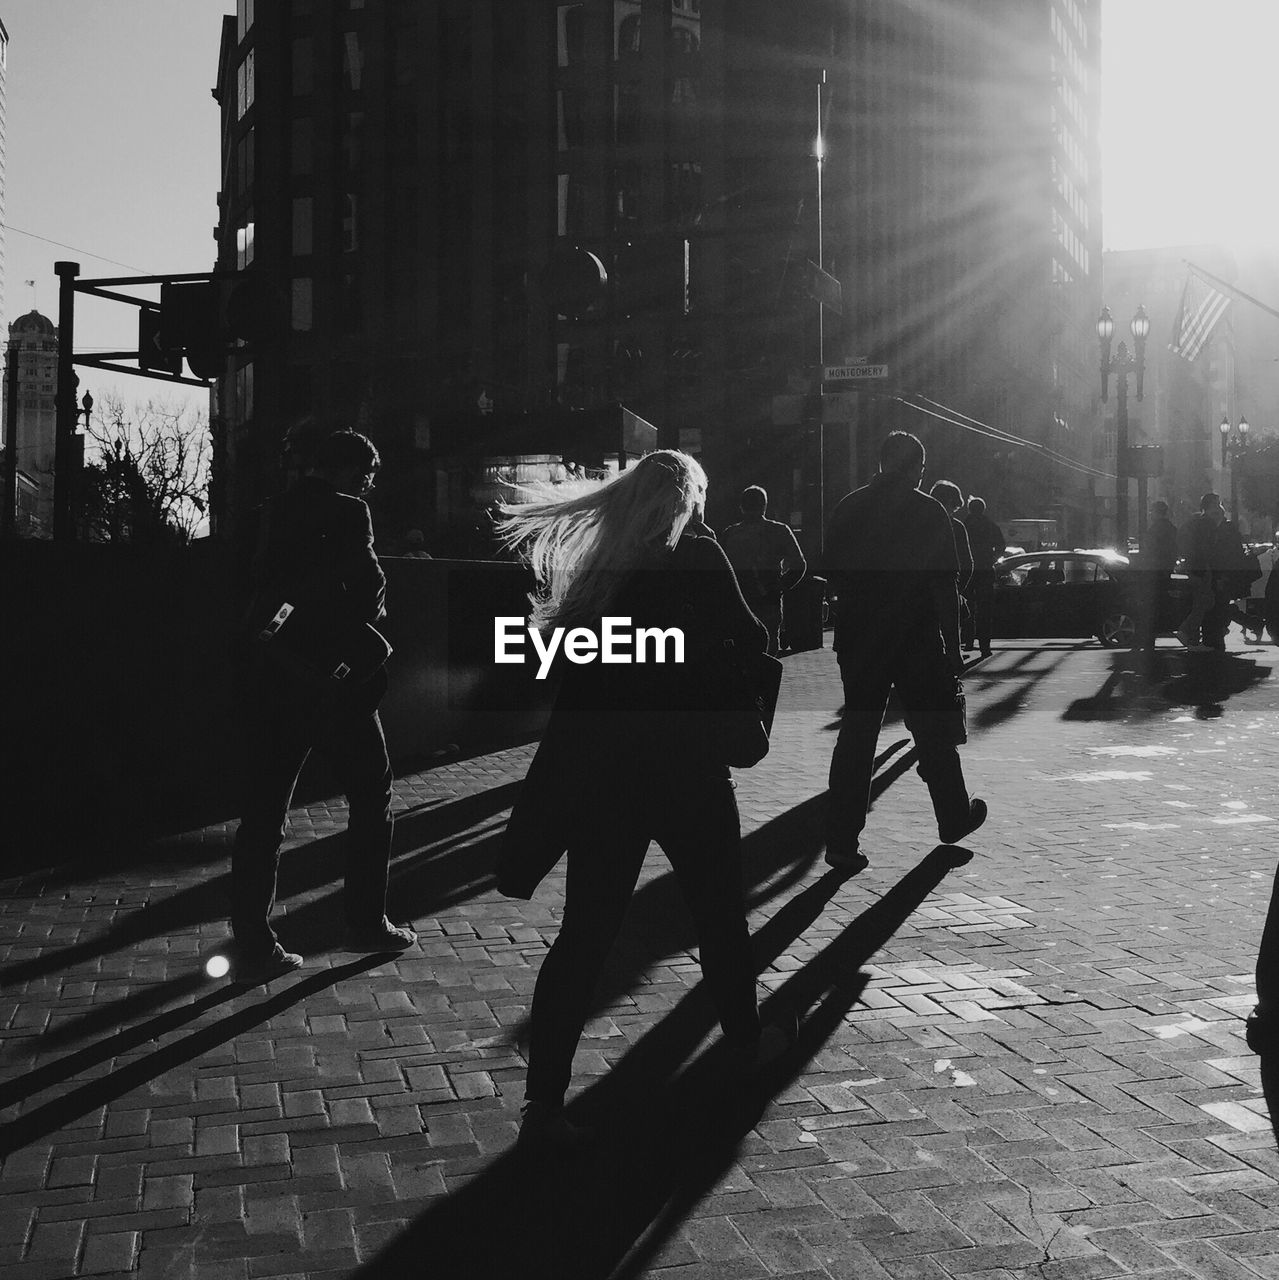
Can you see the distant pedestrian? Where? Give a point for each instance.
(767, 559)
(986, 542)
(890, 557)
(948, 494)
(620, 763)
(1157, 561)
(314, 545)
(1235, 569)
(1197, 542)
(415, 546)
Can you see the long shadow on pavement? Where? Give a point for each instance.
(67, 1107)
(441, 862)
(775, 857)
(1144, 685)
(667, 1139)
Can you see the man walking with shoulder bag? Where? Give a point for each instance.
(310, 676)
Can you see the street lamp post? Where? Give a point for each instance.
(1121, 365)
(1234, 445)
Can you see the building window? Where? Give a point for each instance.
(243, 18)
(244, 162)
(352, 60)
(244, 84)
(350, 227)
(300, 157)
(628, 37)
(303, 303)
(353, 140)
(242, 407)
(244, 245)
(404, 48)
(572, 124)
(403, 133)
(568, 26)
(303, 225)
(303, 66)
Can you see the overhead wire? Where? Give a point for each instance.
(994, 433)
(97, 257)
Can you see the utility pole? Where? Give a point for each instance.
(65, 456)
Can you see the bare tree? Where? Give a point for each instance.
(146, 474)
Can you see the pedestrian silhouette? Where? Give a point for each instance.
(621, 763)
(1156, 562)
(890, 556)
(313, 567)
(767, 559)
(986, 543)
(1197, 541)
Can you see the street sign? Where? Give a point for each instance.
(824, 288)
(853, 372)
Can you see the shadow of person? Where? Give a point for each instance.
(1211, 679)
(71, 1104)
(436, 852)
(669, 1136)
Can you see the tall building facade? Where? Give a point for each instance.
(4, 129)
(970, 199)
(32, 355)
(472, 217)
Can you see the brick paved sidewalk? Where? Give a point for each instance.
(1025, 1063)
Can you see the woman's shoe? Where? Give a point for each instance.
(776, 1038)
(544, 1124)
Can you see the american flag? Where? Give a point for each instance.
(1201, 308)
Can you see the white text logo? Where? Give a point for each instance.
(617, 641)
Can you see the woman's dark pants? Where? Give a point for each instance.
(696, 823)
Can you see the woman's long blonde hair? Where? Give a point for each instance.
(584, 537)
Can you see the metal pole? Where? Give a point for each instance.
(1121, 459)
(9, 527)
(821, 332)
(64, 455)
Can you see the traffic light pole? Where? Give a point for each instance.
(65, 477)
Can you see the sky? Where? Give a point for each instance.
(112, 149)
(1189, 109)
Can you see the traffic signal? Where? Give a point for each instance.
(198, 320)
(652, 275)
(151, 354)
(191, 325)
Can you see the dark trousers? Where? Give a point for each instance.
(696, 823)
(917, 669)
(1152, 590)
(980, 594)
(277, 736)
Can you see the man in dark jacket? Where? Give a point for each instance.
(1197, 541)
(986, 542)
(314, 548)
(890, 558)
(766, 558)
(1158, 558)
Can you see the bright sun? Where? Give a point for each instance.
(1189, 119)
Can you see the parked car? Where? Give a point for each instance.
(1076, 593)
